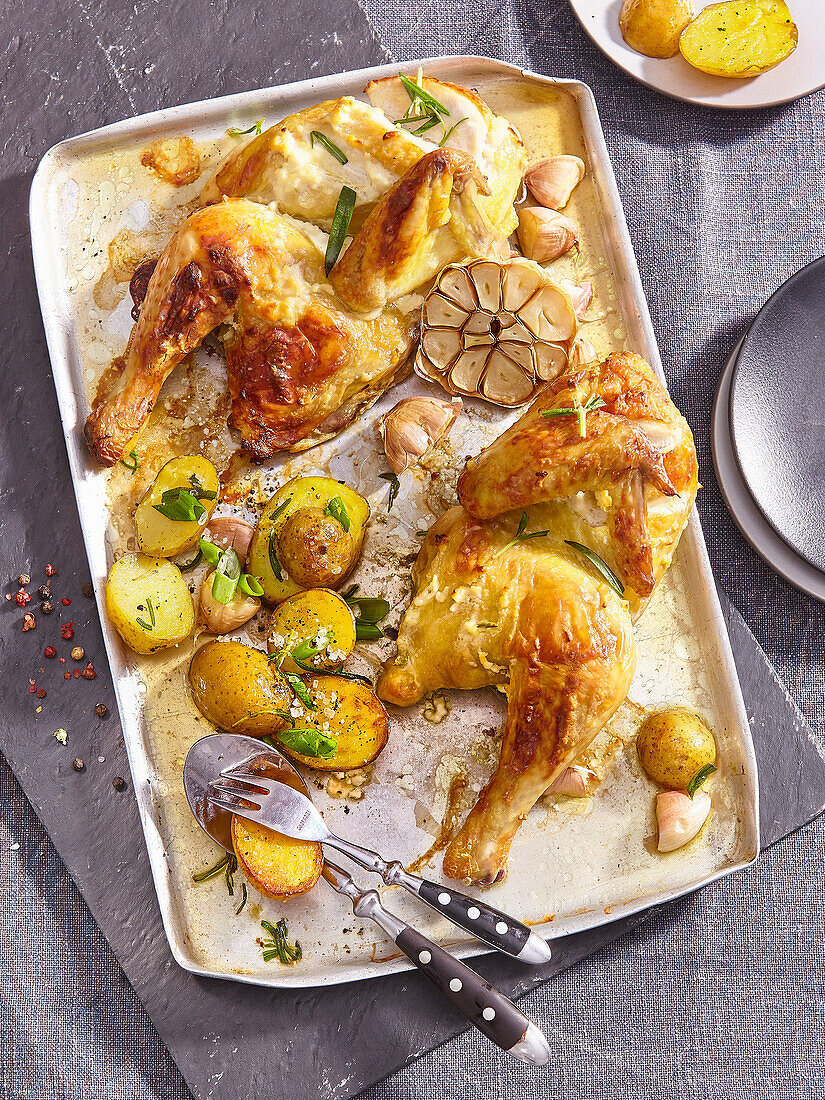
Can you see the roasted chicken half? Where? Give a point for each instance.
(300, 365)
(533, 614)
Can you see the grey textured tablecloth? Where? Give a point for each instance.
(722, 994)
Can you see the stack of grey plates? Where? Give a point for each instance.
(768, 431)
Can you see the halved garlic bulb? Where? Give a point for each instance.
(413, 426)
(496, 330)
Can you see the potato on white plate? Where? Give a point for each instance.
(739, 38)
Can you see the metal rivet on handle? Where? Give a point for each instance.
(455, 985)
(444, 899)
(489, 1014)
(473, 913)
(501, 928)
(424, 957)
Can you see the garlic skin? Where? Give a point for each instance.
(572, 782)
(582, 352)
(231, 533)
(220, 618)
(552, 181)
(581, 295)
(413, 426)
(680, 817)
(545, 234)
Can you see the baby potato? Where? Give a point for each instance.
(235, 688)
(653, 27)
(739, 38)
(319, 617)
(149, 602)
(350, 712)
(267, 557)
(276, 865)
(164, 537)
(673, 745)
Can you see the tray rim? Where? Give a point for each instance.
(218, 110)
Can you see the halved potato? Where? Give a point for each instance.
(235, 688)
(149, 602)
(276, 865)
(319, 617)
(653, 27)
(349, 711)
(303, 493)
(739, 38)
(164, 537)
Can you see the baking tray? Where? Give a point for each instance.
(576, 866)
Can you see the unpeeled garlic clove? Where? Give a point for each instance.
(582, 352)
(581, 295)
(231, 533)
(552, 181)
(220, 618)
(572, 781)
(414, 425)
(545, 234)
(680, 817)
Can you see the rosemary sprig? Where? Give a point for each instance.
(275, 565)
(395, 486)
(255, 128)
(520, 536)
(579, 411)
(244, 896)
(133, 465)
(210, 872)
(601, 566)
(279, 947)
(330, 146)
(449, 132)
(418, 95)
(340, 225)
(142, 622)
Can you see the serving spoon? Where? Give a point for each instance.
(217, 756)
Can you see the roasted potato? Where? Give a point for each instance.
(315, 549)
(149, 602)
(350, 712)
(268, 558)
(235, 688)
(653, 27)
(739, 38)
(673, 745)
(318, 617)
(164, 537)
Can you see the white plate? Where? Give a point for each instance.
(802, 73)
(746, 514)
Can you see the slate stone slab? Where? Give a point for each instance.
(109, 61)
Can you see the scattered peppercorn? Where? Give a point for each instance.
(49, 651)
(101, 710)
(28, 621)
(22, 597)
(78, 764)
(47, 607)
(88, 591)
(51, 571)
(41, 693)
(88, 672)
(32, 686)
(119, 783)
(44, 592)
(65, 601)
(24, 579)
(67, 631)
(76, 674)
(78, 653)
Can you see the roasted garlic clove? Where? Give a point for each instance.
(680, 817)
(552, 181)
(231, 533)
(572, 782)
(220, 618)
(545, 234)
(496, 330)
(413, 426)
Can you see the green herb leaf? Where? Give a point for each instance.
(250, 586)
(244, 896)
(421, 534)
(210, 872)
(273, 556)
(199, 491)
(520, 536)
(418, 95)
(449, 133)
(579, 411)
(231, 868)
(308, 742)
(298, 685)
(181, 506)
(340, 225)
(395, 486)
(337, 509)
(601, 566)
(227, 575)
(367, 632)
(372, 609)
(330, 146)
(279, 947)
(188, 566)
(699, 779)
(255, 128)
(133, 465)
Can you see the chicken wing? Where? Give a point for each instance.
(300, 366)
(430, 218)
(532, 617)
(637, 455)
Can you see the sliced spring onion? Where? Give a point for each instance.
(250, 586)
(211, 553)
(601, 566)
(226, 577)
(181, 506)
(330, 146)
(699, 779)
(340, 225)
(337, 509)
(188, 566)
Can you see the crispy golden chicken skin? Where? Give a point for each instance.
(300, 365)
(638, 450)
(430, 218)
(536, 615)
(533, 618)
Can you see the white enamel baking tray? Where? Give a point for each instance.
(571, 869)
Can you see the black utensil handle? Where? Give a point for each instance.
(490, 925)
(484, 1006)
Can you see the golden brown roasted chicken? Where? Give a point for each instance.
(534, 614)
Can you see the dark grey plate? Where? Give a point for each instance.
(777, 411)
